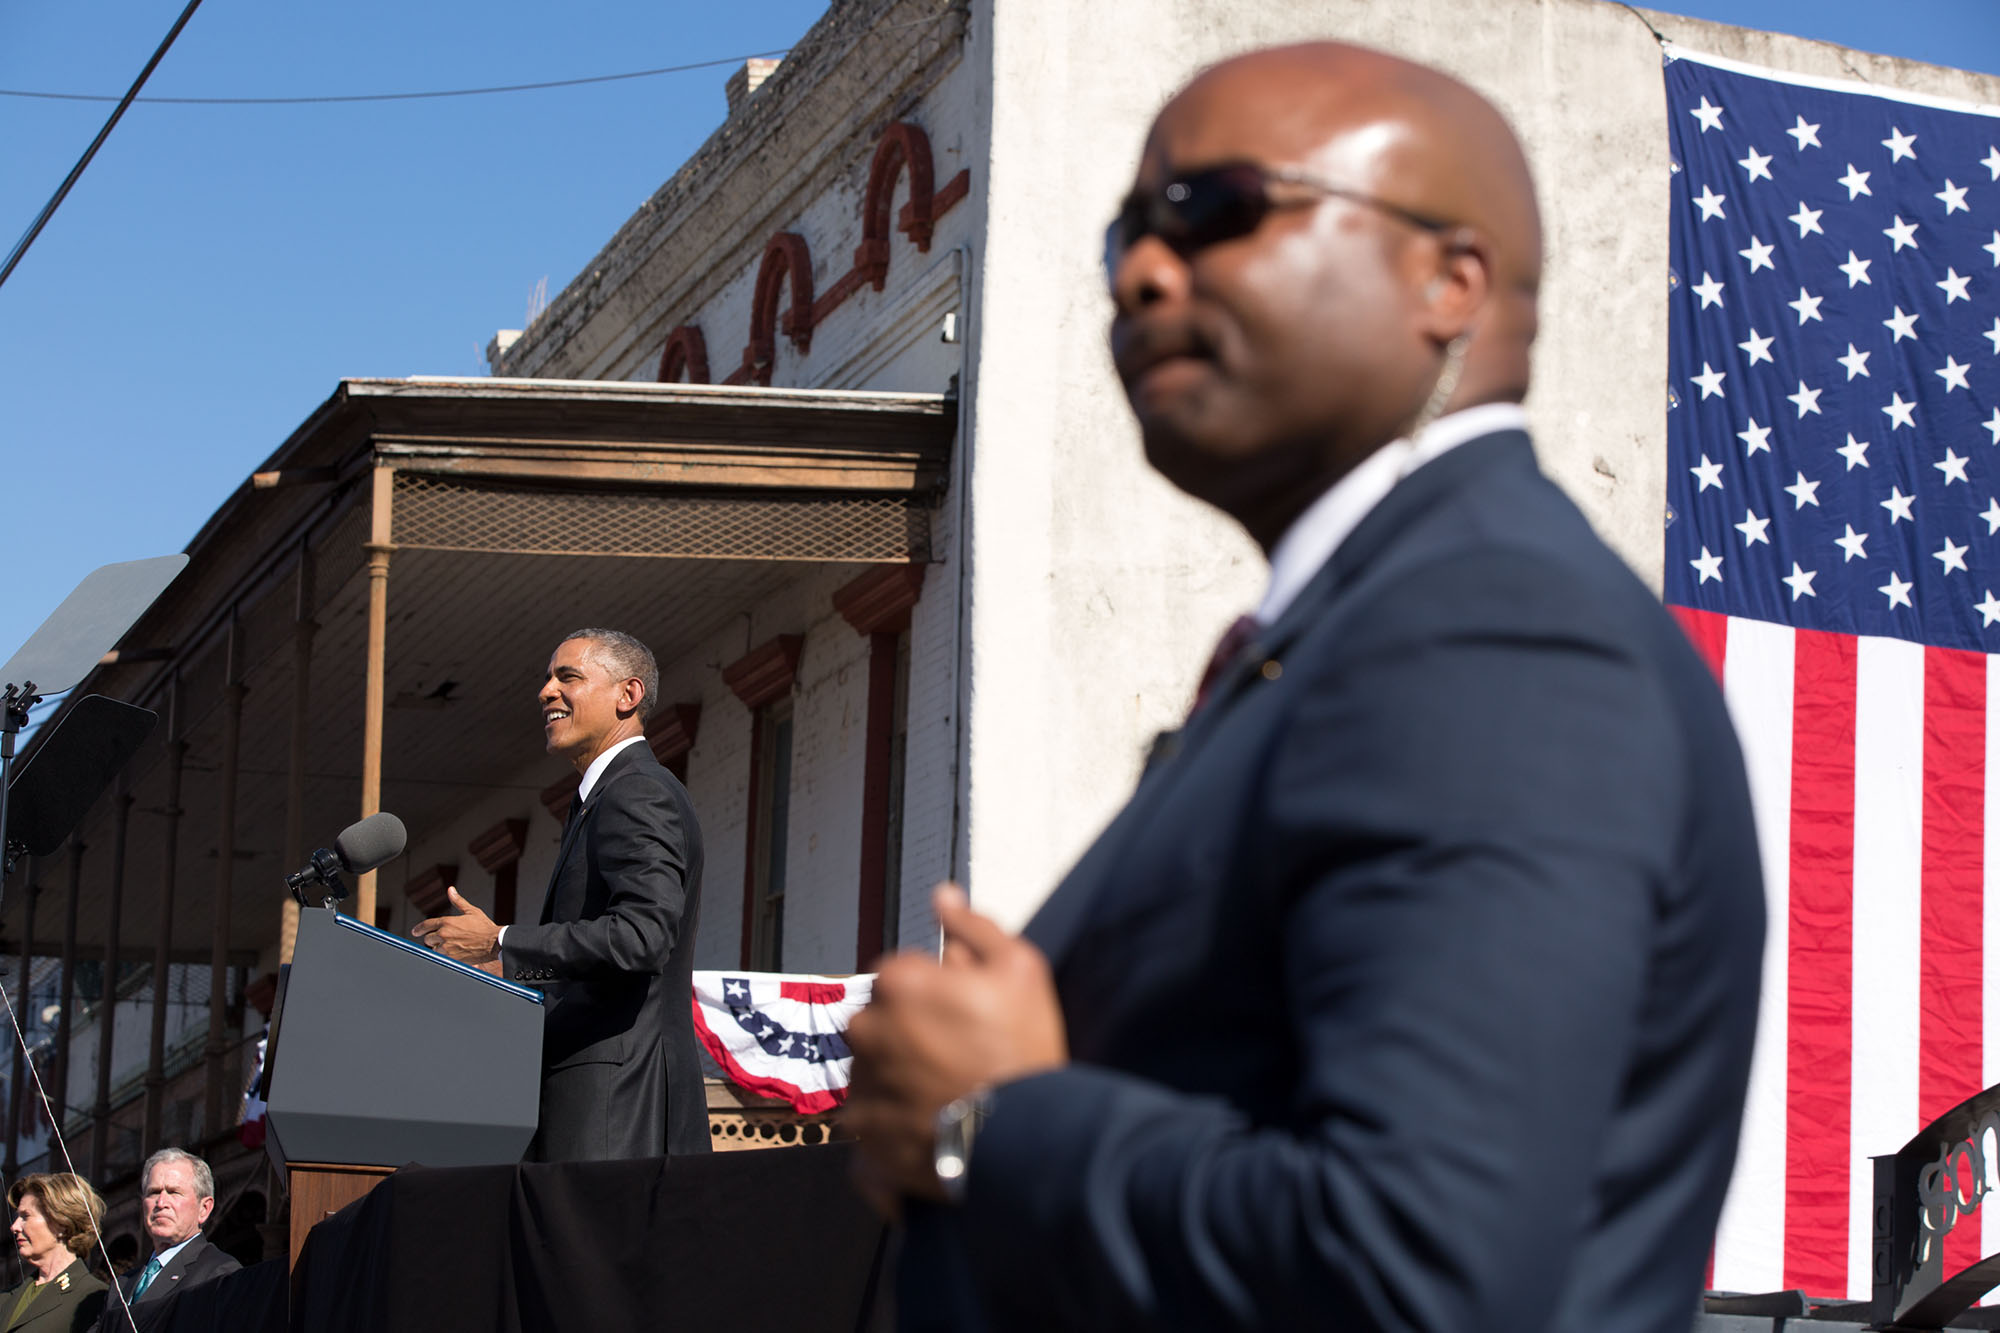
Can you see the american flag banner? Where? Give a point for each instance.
(781, 1035)
(1833, 546)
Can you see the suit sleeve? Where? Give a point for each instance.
(1460, 832)
(639, 843)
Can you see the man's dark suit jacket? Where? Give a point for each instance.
(198, 1262)
(620, 1077)
(1415, 986)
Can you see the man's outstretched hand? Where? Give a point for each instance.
(470, 936)
(935, 1031)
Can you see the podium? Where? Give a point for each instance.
(382, 1053)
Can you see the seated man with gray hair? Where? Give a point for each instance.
(179, 1196)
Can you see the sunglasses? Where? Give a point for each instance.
(1221, 203)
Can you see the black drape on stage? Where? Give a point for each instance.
(771, 1239)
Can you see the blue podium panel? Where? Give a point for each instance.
(383, 1052)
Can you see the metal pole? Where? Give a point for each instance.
(59, 1068)
(17, 1103)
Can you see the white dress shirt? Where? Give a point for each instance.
(1317, 533)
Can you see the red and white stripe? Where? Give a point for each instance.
(1867, 760)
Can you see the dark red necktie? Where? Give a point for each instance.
(1234, 640)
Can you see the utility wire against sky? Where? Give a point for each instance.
(399, 97)
(62, 192)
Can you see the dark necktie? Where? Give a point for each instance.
(153, 1267)
(1234, 640)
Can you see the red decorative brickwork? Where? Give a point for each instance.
(879, 601)
(671, 731)
(426, 891)
(902, 146)
(686, 353)
(786, 258)
(765, 672)
(902, 149)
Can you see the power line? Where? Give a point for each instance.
(399, 97)
(49, 209)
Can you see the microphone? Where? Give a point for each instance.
(361, 847)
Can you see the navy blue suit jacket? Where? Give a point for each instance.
(1415, 986)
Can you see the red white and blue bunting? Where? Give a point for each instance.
(782, 1035)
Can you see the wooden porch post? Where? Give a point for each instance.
(217, 1048)
(107, 1005)
(156, 1048)
(303, 629)
(380, 548)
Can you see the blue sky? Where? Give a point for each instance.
(218, 269)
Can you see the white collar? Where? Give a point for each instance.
(1317, 533)
(599, 764)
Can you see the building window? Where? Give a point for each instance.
(774, 799)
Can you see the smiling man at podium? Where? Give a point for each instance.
(615, 943)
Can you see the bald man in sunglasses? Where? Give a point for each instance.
(1415, 986)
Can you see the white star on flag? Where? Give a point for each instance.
(1800, 582)
(1709, 116)
(1807, 305)
(1856, 362)
(1951, 554)
(1992, 515)
(1988, 608)
(1853, 544)
(1710, 203)
(1952, 197)
(1953, 374)
(1897, 591)
(1708, 566)
(1710, 381)
(1953, 467)
(1806, 400)
(1708, 474)
(1953, 286)
(1900, 413)
(1991, 161)
(1854, 451)
(1856, 183)
(1807, 220)
(1900, 324)
(1808, 135)
(1900, 145)
(1709, 290)
(1993, 424)
(1803, 492)
(1898, 505)
(1856, 270)
(1758, 349)
(1756, 438)
(1992, 247)
(1759, 255)
(1902, 233)
(1757, 164)
(1753, 528)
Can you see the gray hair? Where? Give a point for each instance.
(204, 1179)
(625, 658)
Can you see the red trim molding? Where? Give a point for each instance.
(500, 846)
(670, 731)
(879, 601)
(426, 891)
(686, 351)
(555, 797)
(951, 192)
(766, 672)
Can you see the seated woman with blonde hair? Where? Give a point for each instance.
(55, 1222)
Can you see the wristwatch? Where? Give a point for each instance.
(953, 1131)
